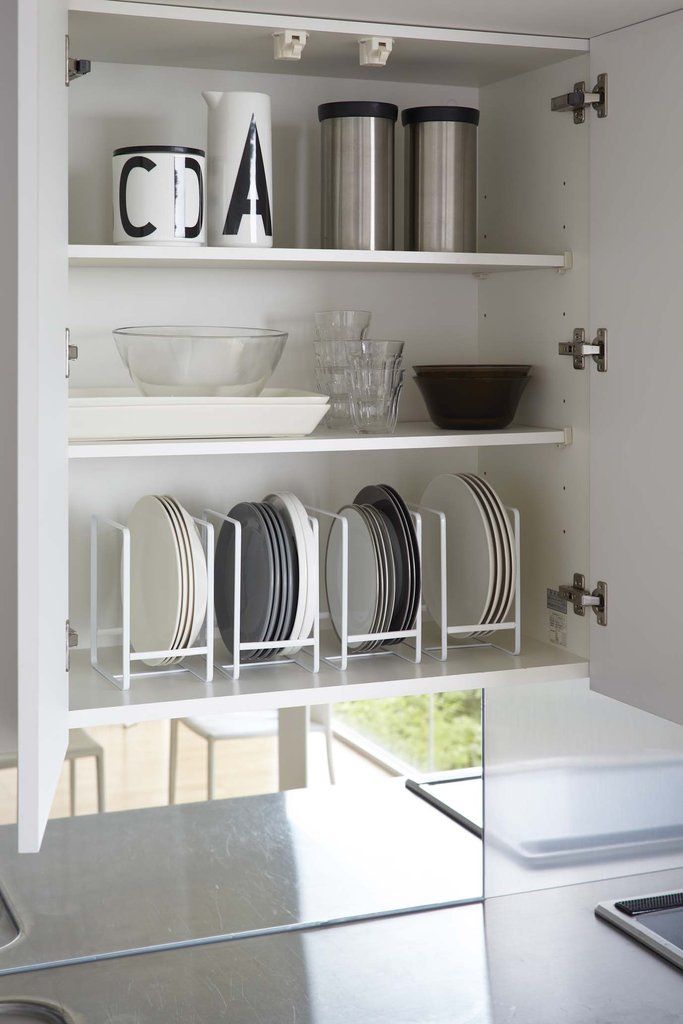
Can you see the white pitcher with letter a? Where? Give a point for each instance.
(240, 169)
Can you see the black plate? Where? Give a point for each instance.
(384, 502)
(417, 568)
(257, 577)
(291, 579)
(276, 611)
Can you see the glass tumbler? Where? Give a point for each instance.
(375, 379)
(334, 329)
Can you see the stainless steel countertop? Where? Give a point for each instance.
(154, 878)
(541, 958)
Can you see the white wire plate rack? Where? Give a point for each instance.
(307, 649)
(411, 652)
(129, 657)
(472, 634)
(309, 646)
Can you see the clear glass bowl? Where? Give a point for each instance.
(200, 361)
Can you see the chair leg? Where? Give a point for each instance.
(72, 786)
(173, 761)
(329, 741)
(99, 768)
(210, 768)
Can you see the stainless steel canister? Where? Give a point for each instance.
(357, 174)
(441, 179)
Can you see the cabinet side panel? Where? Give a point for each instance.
(533, 197)
(636, 489)
(8, 380)
(42, 466)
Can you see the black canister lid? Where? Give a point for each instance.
(418, 115)
(158, 149)
(357, 108)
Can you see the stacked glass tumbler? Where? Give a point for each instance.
(363, 377)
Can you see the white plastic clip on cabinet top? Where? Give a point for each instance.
(289, 45)
(374, 51)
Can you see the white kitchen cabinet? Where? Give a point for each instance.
(571, 236)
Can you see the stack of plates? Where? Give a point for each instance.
(481, 567)
(383, 565)
(279, 584)
(168, 581)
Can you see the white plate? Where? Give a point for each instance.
(199, 571)
(127, 416)
(187, 584)
(363, 590)
(313, 577)
(510, 546)
(469, 553)
(502, 559)
(156, 584)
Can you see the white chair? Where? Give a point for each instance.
(238, 725)
(81, 744)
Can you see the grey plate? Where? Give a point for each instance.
(388, 567)
(279, 596)
(257, 582)
(376, 627)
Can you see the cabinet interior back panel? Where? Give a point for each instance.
(130, 105)
(436, 314)
(534, 186)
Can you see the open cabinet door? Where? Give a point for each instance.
(636, 500)
(42, 505)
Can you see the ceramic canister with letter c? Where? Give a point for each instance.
(159, 195)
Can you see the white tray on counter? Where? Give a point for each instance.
(120, 414)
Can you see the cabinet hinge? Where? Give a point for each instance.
(74, 67)
(70, 352)
(71, 639)
(578, 349)
(579, 99)
(581, 598)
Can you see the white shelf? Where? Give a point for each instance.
(94, 701)
(407, 436)
(159, 34)
(311, 259)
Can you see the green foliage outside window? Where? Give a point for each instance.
(400, 725)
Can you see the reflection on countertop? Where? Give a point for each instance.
(539, 958)
(133, 880)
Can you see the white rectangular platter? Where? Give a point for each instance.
(119, 414)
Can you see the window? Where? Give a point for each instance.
(428, 733)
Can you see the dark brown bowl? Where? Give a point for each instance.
(471, 403)
(473, 370)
